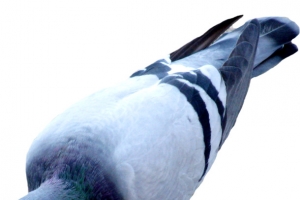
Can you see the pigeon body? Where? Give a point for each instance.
(156, 135)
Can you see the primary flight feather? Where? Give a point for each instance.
(156, 135)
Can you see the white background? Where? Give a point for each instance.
(54, 53)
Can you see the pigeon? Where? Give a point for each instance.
(156, 134)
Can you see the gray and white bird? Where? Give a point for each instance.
(156, 135)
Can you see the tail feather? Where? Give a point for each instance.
(275, 33)
(279, 55)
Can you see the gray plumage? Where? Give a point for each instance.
(156, 135)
